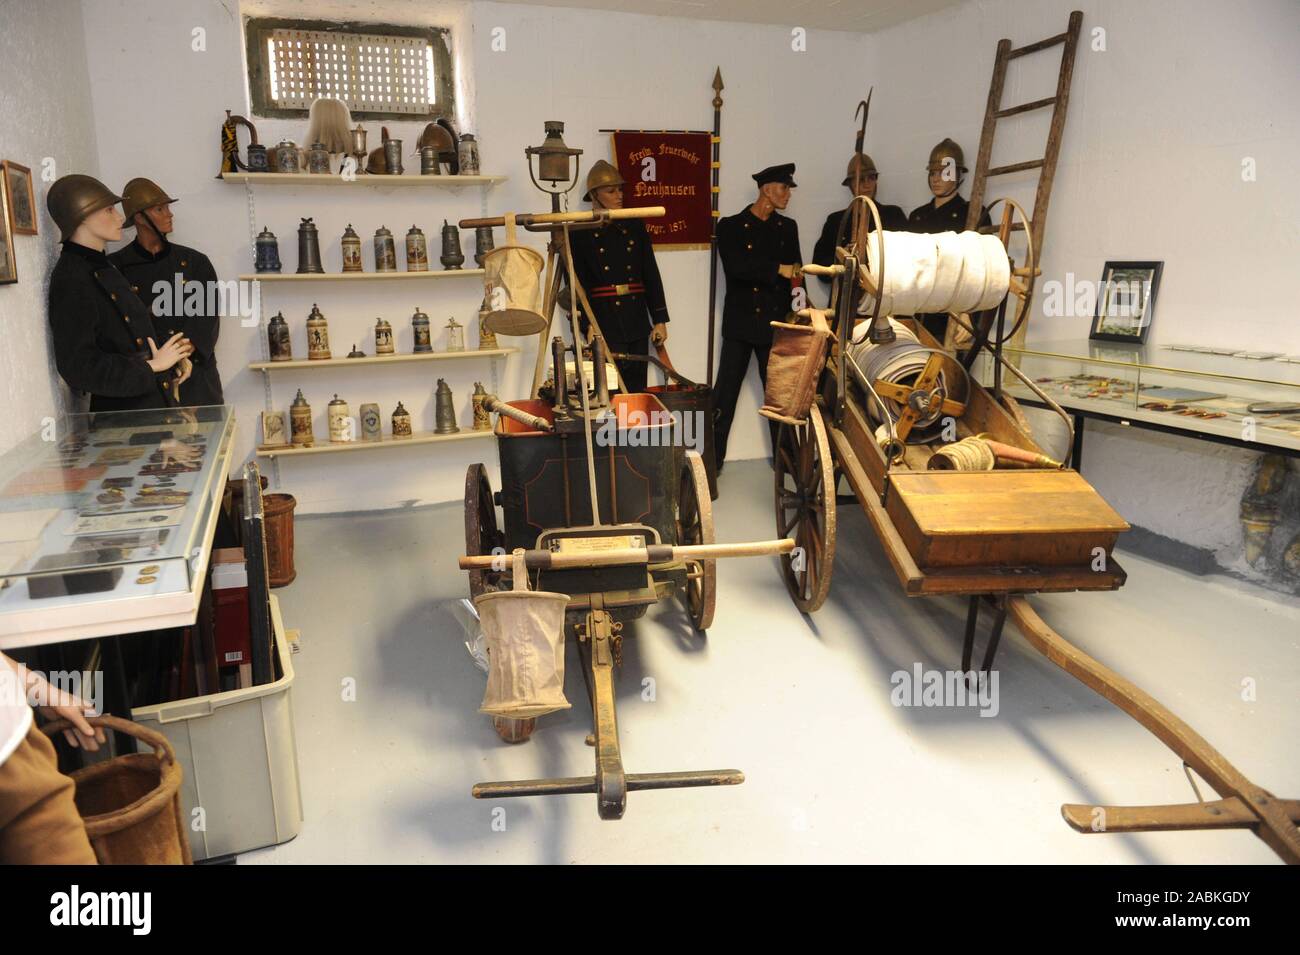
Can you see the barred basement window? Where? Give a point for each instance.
(380, 70)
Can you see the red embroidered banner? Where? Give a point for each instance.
(670, 170)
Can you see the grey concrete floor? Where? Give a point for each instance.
(834, 771)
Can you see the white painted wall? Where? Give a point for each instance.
(590, 69)
(45, 110)
(1151, 168)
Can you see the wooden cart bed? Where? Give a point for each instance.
(1020, 530)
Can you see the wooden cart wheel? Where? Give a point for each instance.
(513, 730)
(805, 509)
(695, 526)
(481, 532)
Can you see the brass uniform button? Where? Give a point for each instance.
(139, 341)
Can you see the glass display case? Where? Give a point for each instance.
(1217, 394)
(114, 506)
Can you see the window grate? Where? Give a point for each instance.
(370, 72)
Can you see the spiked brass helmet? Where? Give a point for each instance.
(865, 162)
(74, 197)
(140, 194)
(602, 174)
(947, 149)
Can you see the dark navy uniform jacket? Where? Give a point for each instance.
(143, 270)
(752, 251)
(101, 334)
(617, 269)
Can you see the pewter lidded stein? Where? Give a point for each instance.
(300, 421)
(483, 243)
(257, 161)
(286, 156)
(444, 410)
(340, 419)
(401, 422)
(385, 251)
(417, 251)
(420, 326)
(383, 337)
(318, 159)
(266, 257)
(318, 335)
(467, 155)
(308, 247)
(277, 337)
(482, 419)
(351, 244)
(452, 257)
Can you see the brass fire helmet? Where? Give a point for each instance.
(140, 194)
(947, 149)
(74, 197)
(868, 168)
(377, 163)
(602, 174)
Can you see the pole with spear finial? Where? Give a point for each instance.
(713, 220)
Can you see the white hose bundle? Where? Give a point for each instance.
(898, 362)
(941, 272)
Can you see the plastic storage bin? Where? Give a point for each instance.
(240, 756)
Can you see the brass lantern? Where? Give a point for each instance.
(553, 160)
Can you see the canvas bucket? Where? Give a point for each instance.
(794, 365)
(512, 280)
(524, 631)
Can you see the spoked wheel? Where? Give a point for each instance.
(695, 526)
(805, 509)
(481, 533)
(513, 730)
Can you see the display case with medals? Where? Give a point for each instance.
(121, 506)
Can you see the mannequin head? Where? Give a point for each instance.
(607, 197)
(158, 217)
(775, 194)
(99, 228)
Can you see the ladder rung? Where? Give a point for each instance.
(1026, 107)
(1040, 45)
(1016, 167)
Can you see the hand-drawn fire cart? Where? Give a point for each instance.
(604, 515)
(963, 500)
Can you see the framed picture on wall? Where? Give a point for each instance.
(22, 200)
(1126, 302)
(8, 260)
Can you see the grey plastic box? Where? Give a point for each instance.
(239, 754)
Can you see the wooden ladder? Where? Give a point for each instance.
(994, 112)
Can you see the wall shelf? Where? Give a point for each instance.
(418, 437)
(356, 276)
(381, 359)
(361, 180)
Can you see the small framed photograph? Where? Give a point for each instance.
(274, 432)
(8, 258)
(22, 200)
(1126, 302)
